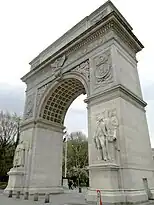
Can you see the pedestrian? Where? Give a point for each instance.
(74, 184)
(70, 184)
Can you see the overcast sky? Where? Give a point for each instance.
(29, 26)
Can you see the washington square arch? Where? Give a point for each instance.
(96, 57)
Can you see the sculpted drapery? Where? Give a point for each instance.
(106, 131)
(19, 157)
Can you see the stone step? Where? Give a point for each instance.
(151, 202)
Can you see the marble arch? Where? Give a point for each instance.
(58, 102)
(97, 57)
(61, 94)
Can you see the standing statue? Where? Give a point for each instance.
(101, 139)
(106, 131)
(19, 157)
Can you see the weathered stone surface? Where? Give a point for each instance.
(96, 57)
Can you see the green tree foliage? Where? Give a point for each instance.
(77, 158)
(9, 137)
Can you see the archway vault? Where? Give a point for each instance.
(59, 98)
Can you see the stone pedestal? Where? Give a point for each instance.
(16, 180)
(104, 176)
(65, 183)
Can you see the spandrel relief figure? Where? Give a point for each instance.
(19, 157)
(106, 131)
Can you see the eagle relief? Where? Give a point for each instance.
(57, 65)
(103, 69)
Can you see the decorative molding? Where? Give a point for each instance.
(46, 124)
(103, 69)
(99, 16)
(93, 44)
(29, 107)
(28, 124)
(104, 166)
(113, 24)
(83, 69)
(115, 92)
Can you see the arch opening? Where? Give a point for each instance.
(60, 98)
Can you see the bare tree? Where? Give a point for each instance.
(9, 138)
(9, 128)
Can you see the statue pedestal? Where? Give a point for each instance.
(65, 183)
(105, 178)
(16, 180)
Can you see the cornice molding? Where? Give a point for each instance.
(46, 124)
(104, 166)
(41, 123)
(110, 22)
(27, 124)
(115, 92)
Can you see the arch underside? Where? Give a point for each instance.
(60, 98)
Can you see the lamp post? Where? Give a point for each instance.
(65, 157)
(65, 181)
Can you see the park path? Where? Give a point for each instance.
(70, 197)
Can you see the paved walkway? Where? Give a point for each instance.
(69, 197)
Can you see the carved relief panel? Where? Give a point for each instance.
(83, 69)
(57, 65)
(102, 73)
(29, 106)
(105, 135)
(103, 69)
(40, 93)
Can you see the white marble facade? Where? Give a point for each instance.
(102, 64)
